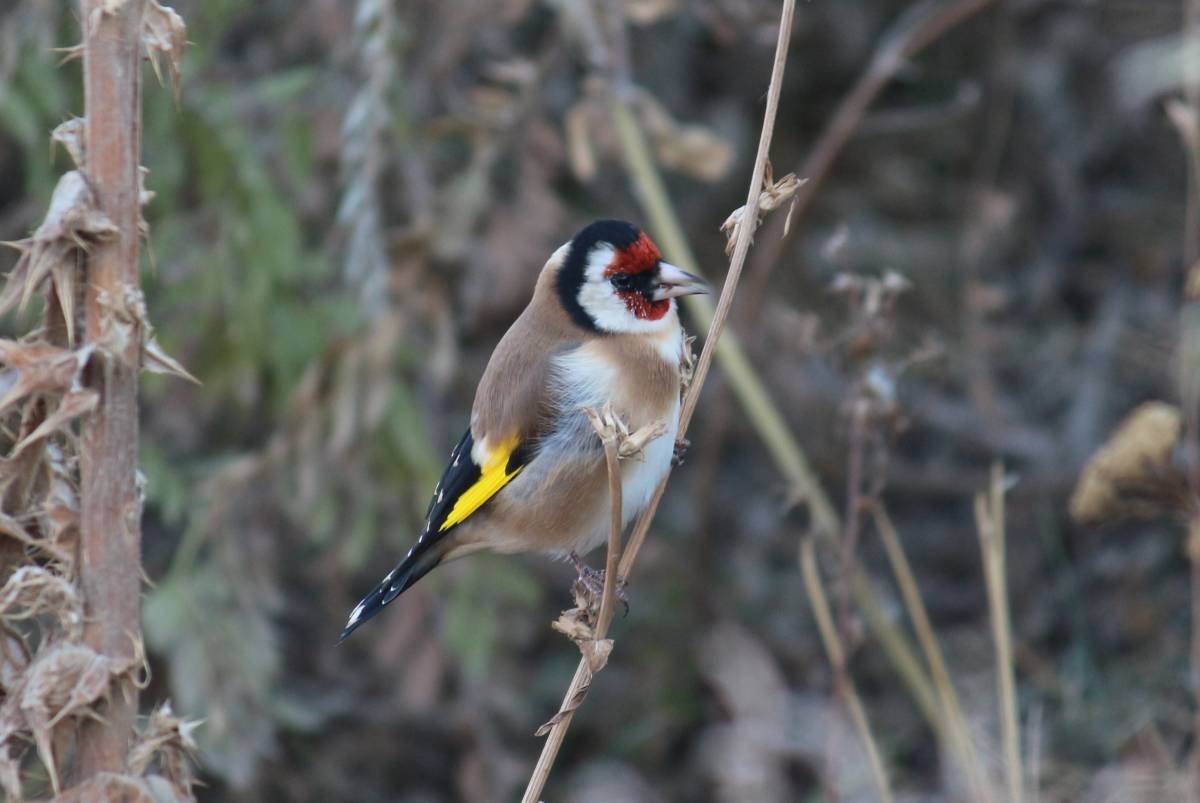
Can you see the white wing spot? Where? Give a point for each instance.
(357, 612)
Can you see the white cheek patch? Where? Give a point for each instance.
(600, 300)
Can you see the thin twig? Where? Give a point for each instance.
(746, 231)
(608, 597)
(989, 522)
(956, 735)
(837, 659)
(583, 673)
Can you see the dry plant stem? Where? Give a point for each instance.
(110, 524)
(989, 521)
(609, 595)
(583, 673)
(837, 659)
(854, 503)
(957, 736)
(558, 731)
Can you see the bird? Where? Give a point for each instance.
(529, 474)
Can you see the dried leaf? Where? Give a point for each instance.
(771, 197)
(70, 135)
(596, 652)
(72, 222)
(575, 624)
(633, 445)
(164, 36)
(157, 361)
(73, 404)
(39, 368)
(569, 707)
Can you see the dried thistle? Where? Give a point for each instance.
(69, 134)
(66, 680)
(73, 222)
(164, 36)
(168, 741)
(1134, 464)
(35, 591)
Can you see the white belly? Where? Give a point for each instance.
(641, 475)
(589, 382)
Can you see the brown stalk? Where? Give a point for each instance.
(110, 524)
(989, 522)
(584, 673)
(737, 261)
(836, 653)
(952, 723)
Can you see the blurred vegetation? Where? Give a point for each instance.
(352, 202)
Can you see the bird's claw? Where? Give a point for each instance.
(681, 449)
(589, 587)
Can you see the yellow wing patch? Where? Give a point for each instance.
(492, 477)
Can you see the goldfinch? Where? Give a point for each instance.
(529, 474)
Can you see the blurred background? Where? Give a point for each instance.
(988, 264)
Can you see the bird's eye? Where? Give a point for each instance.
(622, 281)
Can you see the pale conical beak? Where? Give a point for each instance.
(673, 283)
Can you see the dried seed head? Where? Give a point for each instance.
(1136, 459)
(34, 591)
(73, 221)
(169, 742)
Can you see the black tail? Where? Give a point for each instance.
(415, 565)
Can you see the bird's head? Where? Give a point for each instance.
(611, 278)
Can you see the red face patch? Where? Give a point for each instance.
(642, 307)
(640, 256)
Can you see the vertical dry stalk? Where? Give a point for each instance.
(583, 673)
(110, 525)
(609, 595)
(989, 521)
(745, 233)
(837, 659)
(953, 730)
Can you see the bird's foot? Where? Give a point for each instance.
(589, 587)
(681, 449)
